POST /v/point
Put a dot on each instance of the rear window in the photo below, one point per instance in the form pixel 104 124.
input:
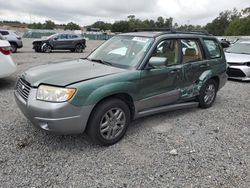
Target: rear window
pixel 213 48
pixel 4 32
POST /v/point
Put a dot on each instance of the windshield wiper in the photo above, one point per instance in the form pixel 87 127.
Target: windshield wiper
pixel 100 61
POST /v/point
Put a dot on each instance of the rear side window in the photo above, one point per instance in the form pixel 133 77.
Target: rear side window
pixel 4 32
pixel 191 50
pixel 213 48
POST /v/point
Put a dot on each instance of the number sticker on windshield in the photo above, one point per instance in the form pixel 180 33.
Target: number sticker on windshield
pixel 140 39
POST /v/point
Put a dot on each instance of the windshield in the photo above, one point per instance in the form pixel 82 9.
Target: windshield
pixel 52 36
pixel 122 51
pixel 239 48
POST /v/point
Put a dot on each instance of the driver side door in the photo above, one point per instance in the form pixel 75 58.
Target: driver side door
pixel 160 85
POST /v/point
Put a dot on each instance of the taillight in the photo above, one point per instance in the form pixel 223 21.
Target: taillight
pixel 5 50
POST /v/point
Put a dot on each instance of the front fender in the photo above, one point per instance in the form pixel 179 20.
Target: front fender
pixel 111 89
pixel 104 91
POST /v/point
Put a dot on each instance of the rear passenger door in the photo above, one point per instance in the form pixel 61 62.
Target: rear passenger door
pixel 194 64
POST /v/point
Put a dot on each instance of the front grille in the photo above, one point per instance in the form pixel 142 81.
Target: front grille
pixel 235 72
pixel 23 88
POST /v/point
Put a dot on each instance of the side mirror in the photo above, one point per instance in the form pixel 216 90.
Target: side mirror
pixel 158 61
pixel 55 38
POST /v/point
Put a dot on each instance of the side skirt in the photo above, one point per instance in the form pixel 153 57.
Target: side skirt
pixel 166 108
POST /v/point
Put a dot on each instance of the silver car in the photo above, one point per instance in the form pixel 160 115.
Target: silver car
pixel 238 59
pixel 14 39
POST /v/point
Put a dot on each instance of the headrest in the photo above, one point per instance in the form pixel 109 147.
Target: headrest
pixel 190 52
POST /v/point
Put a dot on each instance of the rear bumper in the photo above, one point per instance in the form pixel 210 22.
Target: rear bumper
pixel 61 118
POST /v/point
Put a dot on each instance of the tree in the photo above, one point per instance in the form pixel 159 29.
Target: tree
pixel 101 25
pixel 72 26
pixel 240 25
pixel 49 25
pixel 120 26
pixel 219 25
pixel 160 22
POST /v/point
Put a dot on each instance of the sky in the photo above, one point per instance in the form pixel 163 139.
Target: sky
pixel 86 12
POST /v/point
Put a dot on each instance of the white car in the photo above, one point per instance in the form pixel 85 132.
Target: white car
pixel 7 66
pixel 238 60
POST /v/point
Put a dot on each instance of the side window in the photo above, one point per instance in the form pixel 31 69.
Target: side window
pixel 63 36
pixel 213 48
pixel 191 50
pixel 167 49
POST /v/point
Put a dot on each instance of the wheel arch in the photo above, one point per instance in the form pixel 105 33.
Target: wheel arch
pixel 125 97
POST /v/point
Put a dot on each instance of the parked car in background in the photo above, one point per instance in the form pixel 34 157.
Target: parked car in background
pixel 72 42
pixel 14 39
pixel 238 60
pixel 7 66
pixel 129 76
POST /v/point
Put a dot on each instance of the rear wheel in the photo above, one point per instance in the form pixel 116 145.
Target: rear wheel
pixel 78 48
pixel 208 94
pixel 108 122
pixel 13 47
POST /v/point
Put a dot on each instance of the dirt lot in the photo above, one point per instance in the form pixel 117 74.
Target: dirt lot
pixel 212 145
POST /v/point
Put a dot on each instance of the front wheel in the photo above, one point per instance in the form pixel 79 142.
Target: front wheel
pixel 13 47
pixel 207 94
pixel 108 122
pixel 47 48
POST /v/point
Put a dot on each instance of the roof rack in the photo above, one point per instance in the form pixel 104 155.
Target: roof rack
pixel 198 32
pixel 172 30
pixel 154 29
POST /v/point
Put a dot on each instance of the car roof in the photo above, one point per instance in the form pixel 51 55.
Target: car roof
pixel 169 33
pixel 7 30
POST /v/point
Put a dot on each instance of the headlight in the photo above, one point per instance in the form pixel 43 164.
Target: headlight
pixel 54 94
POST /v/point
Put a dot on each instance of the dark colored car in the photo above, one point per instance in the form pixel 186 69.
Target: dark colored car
pixel 129 76
pixel 72 42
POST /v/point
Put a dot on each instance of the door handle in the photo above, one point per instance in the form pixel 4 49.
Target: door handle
pixel 174 71
pixel 204 65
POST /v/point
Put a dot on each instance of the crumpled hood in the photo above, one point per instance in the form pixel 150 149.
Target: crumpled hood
pixel 40 40
pixel 237 58
pixel 66 73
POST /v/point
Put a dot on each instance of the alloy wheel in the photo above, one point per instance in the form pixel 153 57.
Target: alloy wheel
pixel 112 123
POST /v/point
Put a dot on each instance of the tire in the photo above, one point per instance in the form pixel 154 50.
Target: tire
pixel 208 94
pixel 47 48
pixel 13 47
pixel 79 48
pixel 108 116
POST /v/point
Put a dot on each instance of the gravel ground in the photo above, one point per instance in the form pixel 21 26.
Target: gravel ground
pixel 184 148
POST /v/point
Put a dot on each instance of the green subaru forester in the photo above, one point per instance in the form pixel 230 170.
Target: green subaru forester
pixel 127 77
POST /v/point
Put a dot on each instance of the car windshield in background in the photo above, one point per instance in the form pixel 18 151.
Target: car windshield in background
pixel 122 51
pixel 239 48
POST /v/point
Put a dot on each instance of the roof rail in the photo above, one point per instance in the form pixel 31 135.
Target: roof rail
pixel 154 29
pixel 198 32
pixel 172 30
